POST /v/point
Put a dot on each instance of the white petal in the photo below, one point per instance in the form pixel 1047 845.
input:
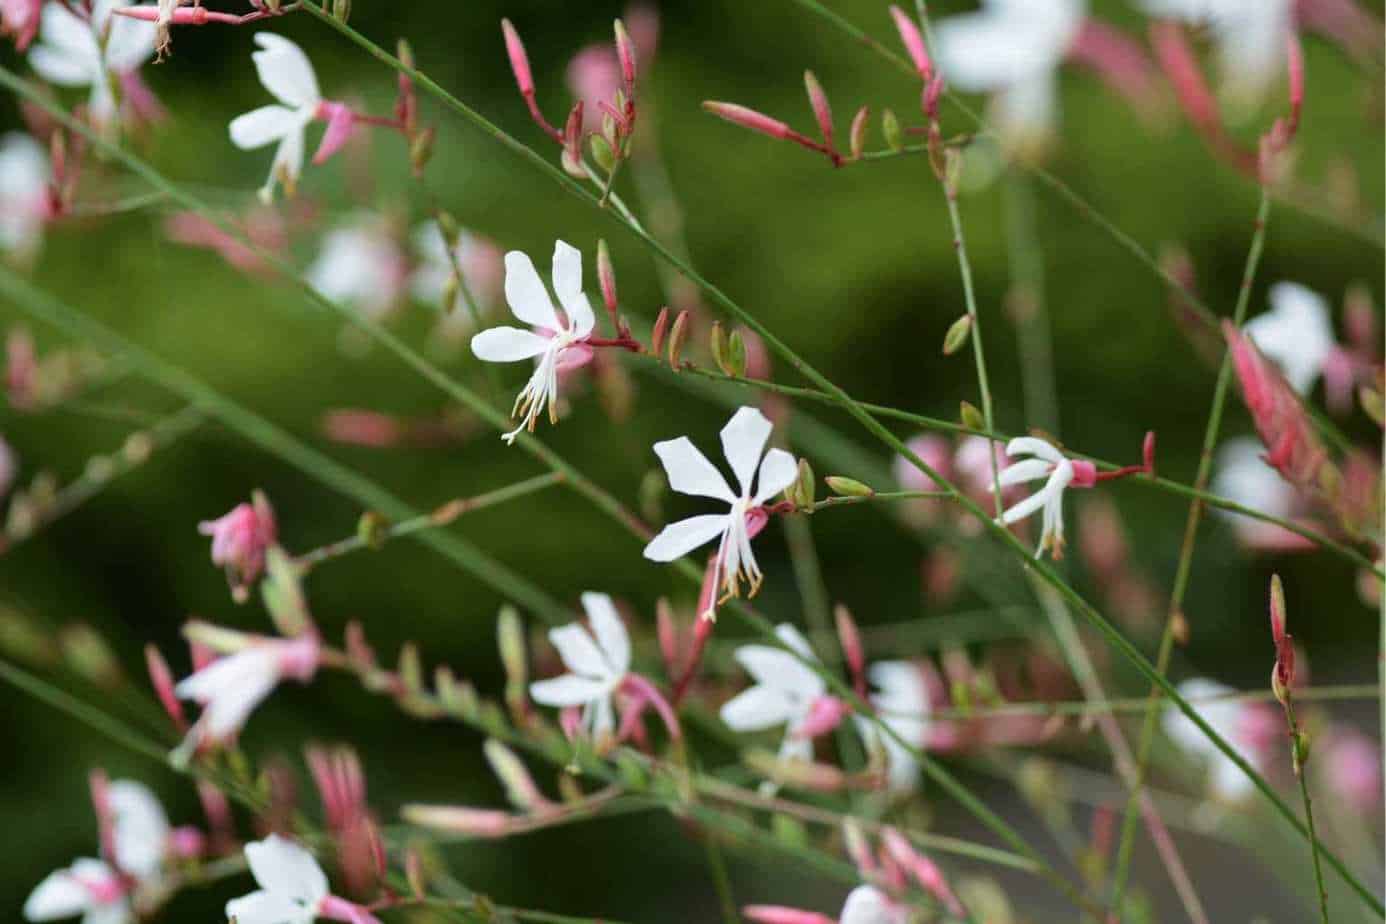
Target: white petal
pixel 567 690
pixel 579 651
pixel 59 895
pixel 141 828
pixel 60 67
pixel 1297 333
pixel 286 868
pixel 1033 446
pixel 866 905
pixel 525 292
pixel 230 688
pixel 777 471
pixel 795 640
pixel 285 71
pixel 262 126
pixel 567 283
pixel 1025 470
pixel 690 472
pixel 611 633
pixel 743 440
pixel 131 43
pixel 780 670
pixel 678 539
pixel 116 912
pixel 267 908
pixel 288 157
pixel 508 344
pixel 1026 507
pixel 756 708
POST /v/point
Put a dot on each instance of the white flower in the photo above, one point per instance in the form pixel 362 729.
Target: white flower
pixel 869 905
pixel 140 829
pixel 88 887
pixel 293 886
pixel 359 264
pixel 71 52
pixel 902 704
pixel 1011 48
pixel 1048 463
pixel 1250 34
pixel 287 74
pixel 552 343
pixel 689 471
pixel 597 662
pixel 1240 724
pixel 24 178
pixel 231 687
pixel 1296 334
pixel 1244 476
pixel 784 692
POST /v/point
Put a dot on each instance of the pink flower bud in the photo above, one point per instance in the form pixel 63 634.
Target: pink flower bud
pixel 100 788
pixel 1352 762
pixel 220 823
pixel 1119 61
pixel 340 123
pixel 339 909
pixel 239 542
pixel 825 714
pixel 778 914
pixel 924 870
pixel 1181 67
pixel 1277 611
pixel 461 819
pixel 625 51
pixel 853 652
pixel 1294 54
pixel 913 42
pixel 162 679
pixel 362 428
pixel 1084 473
pixel 1284 426
pixel 187 843
pixel 822 111
pixel 748 118
pixel 519 61
pixel 20 19
pixel 936 452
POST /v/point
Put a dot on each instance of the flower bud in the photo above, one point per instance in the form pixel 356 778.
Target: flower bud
pixel 88 655
pixel 282 592
pixel 736 355
pixel 661 325
pixel 957 335
pixel 677 335
pixel 341 10
pixel 796 774
pixel 890 129
pixel 602 152
pixel 373 529
pixel 606 278
pixel 1373 404
pixel 667 633
pixel 847 487
pixel 822 111
pixel 520 787
pixel 853 652
pixel 748 118
pixel 410 668
pixel 856 136
pixel 803 491
pixel 971 418
pixel 625 53
pixel 510 635
pixel 461 819
pixel 405 52
pixel 913 42
pixel 421 150
pixel 717 343
pixel 162 680
pixel 519 61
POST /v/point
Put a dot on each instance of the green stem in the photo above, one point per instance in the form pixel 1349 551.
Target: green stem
pixel 1175 614
pixel 1298 763
pixel 721 881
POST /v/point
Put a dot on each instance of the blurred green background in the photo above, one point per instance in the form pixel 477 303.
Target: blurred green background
pixel 853 268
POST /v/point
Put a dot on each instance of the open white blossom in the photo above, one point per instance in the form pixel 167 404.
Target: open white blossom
pixel 1246 726
pixel 869 905
pixel 554 344
pixel 90 888
pixel 24 178
pixel 1250 35
pixel 293 886
pixel 1296 334
pixel 287 74
pixel 1242 474
pixel 1012 48
pixel 597 662
pixel 902 704
pixel 1048 463
pixel 784 692
pixel 361 265
pixel 232 686
pixel 72 52
pixel 140 829
pixel 743 441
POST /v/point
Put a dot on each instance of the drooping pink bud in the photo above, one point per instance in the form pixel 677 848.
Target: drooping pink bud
pixel 924 870
pixel 779 914
pixel 519 61
pixel 1181 67
pixel 161 677
pixel 1148 453
pixel 340 123
pixel 645 692
pixel 913 42
pixel 748 118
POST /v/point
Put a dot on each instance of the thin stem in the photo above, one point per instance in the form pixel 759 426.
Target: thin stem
pixel 1028 305
pixel 721 881
pixel 442 515
pixel 1297 756
pixel 1175 614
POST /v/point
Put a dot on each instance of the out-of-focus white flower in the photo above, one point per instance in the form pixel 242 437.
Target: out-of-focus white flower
pixel 292 885
pixel 72 52
pixel 1248 727
pixel 90 888
pixel 1296 334
pixel 902 704
pixel 360 264
pixel 1250 34
pixel 556 345
pixel 287 74
pixel 1012 48
pixel 482 267
pixel 1060 472
pixel 140 829
pixel 597 663
pixel 869 905
pixel 1242 475
pixel 232 686
pixel 784 693
pixel 24 208
pixel 743 441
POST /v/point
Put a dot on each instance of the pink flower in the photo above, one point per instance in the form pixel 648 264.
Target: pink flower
pixel 936 451
pixel 239 541
pixel 1353 764
pixel 19 19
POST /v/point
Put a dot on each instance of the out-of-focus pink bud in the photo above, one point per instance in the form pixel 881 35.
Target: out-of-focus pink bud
pixel 1101 538
pixel 667 632
pixel 239 542
pixel 825 714
pixel 1353 764
pixel 594 76
pixel 779 914
pixel 99 785
pixel 856 136
pixel 1294 57
pixel 1148 452
pixel 853 652
pixel 822 111
pixel 140 102
pixel 162 679
pixel 519 61
pixel 357 427
pixel 1119 61
pixel 913 42
pixel 19 19
pixel 924 870
pixel 1181 67
pixel 940 571
pixel 460 819
pixel 936 451
pixel 928 100
pixel 1344 21
pixel 748 118
pixel 570 720
pixel 21 367
pixel 335 908
pixel 340 123
pixel 1277 611
pixel 1294 447
pixel 625 53
pixel 220 824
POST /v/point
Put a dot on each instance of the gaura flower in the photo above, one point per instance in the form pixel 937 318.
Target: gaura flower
pixel 597 663
pixel 482 267
pixel 140 830
pixel 229 688
pixel 360 264
pixel 1243 475
pixel 293 888
pixel 902 704
pixel 287 74
pixel 1249 727
pixel 239 541
pixel 743 441
pixel 24 195
pixel 1012 49
pixel 787 692
pixel 1296 334
pixel 1048 463
pixel 1250 34
pixel 101 53
pixel 865 905
pixel 555 344
pixel 91 888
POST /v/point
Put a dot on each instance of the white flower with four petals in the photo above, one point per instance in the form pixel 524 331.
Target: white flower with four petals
pixel 597 663
pixel 1059 472
pixel 90 888
pixel 1296 334
pixel 293 886
pixel 75 52
pixel 287 74
pixel 784 693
